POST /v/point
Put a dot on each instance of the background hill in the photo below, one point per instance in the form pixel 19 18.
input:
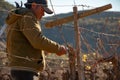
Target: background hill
pixel 104 27
pixel 4 8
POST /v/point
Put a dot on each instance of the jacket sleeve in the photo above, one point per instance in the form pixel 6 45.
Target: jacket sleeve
pixel 32 31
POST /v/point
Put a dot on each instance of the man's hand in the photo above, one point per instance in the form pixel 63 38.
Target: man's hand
pixel 62 50
pixel 71 51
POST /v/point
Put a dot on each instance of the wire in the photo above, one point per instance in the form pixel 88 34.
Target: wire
pixel 100 33
pixel 52 8
pixel 60 26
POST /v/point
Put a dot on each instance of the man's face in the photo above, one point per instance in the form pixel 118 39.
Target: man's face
pixel 38 10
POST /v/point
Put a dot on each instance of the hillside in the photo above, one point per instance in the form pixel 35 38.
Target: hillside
pixel 4 8
pixel 104 26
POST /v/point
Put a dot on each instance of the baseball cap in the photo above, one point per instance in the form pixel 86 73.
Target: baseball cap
pixel 41 2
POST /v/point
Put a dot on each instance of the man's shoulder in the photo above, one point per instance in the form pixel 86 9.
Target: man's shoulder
pixel 27 12
pixel 22 11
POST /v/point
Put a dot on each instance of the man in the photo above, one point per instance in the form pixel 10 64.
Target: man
pixel 25 42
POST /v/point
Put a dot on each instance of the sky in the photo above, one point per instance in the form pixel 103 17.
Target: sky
pixel 64 6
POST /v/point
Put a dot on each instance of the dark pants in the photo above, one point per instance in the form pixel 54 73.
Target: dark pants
pixel 23 75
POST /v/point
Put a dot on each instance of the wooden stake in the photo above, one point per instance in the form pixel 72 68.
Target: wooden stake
pixel 80 69
pixel 80 15
pixel 72 65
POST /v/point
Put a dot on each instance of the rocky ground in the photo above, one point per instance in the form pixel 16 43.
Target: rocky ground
pixel 95 67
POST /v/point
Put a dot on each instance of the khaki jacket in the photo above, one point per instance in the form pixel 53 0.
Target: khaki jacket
pixel 25 41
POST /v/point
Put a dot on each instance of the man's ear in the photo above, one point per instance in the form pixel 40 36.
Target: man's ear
pixel 33 5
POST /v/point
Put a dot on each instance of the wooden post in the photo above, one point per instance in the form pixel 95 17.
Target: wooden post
pixel 78 46
pixel 72 65
pixel 79 15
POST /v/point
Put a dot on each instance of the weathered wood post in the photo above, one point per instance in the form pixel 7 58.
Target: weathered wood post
pixel 79 15
pixel 80 69
pixel 72 65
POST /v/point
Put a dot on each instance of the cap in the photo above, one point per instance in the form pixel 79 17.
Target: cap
pixel 43 3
